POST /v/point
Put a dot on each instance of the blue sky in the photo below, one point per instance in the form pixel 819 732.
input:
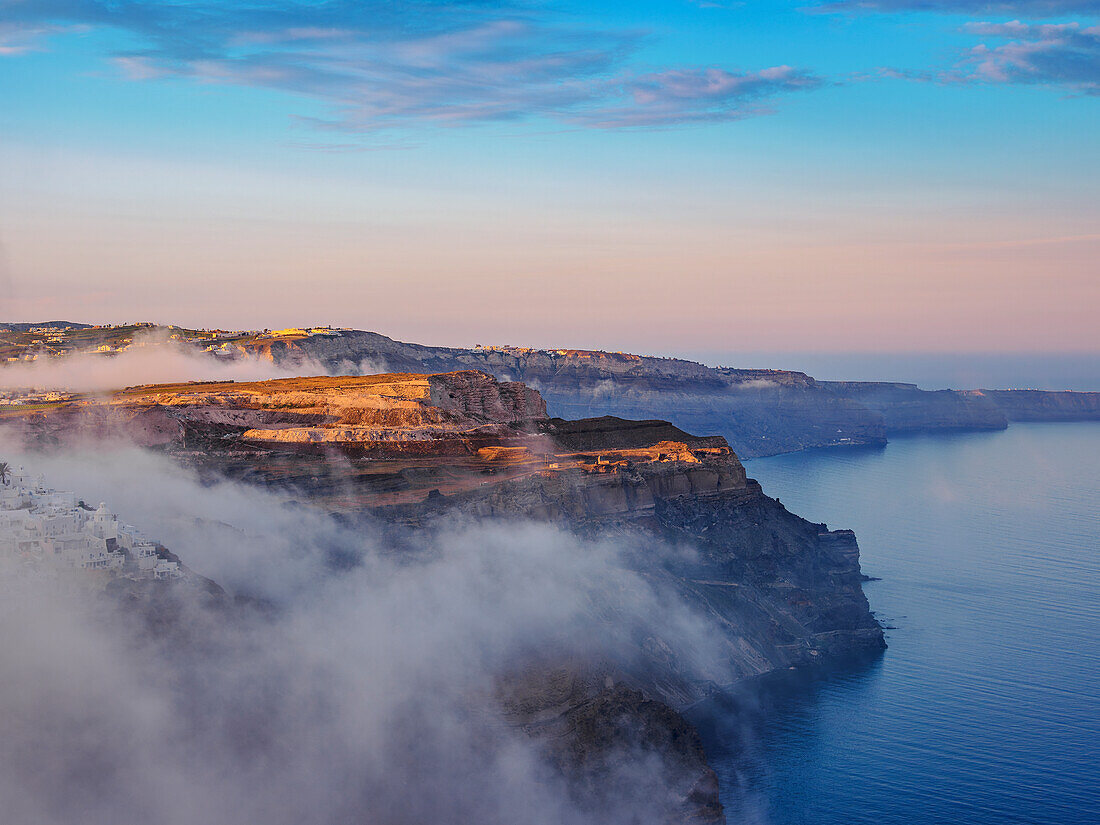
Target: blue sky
pixel 900 174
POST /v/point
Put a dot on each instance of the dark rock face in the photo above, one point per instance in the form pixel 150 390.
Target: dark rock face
pixel 187 611
pixel 790 591
pixel 591 738
pixel 776 590
pixel 595 731
pixel 779 591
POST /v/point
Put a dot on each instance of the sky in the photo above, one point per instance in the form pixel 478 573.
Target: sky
pixel 659 176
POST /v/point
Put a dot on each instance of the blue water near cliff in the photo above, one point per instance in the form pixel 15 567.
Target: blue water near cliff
pixel 986 707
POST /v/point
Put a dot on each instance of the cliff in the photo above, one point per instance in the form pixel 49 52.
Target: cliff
pixel 415 447
pixel 774 590
pixel 1041 405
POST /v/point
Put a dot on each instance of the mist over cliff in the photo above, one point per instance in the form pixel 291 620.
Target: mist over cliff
pixel 349 674
pixel 152 358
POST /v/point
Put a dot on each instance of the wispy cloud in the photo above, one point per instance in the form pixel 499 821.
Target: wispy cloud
pixel 718 4
pixel 1066 56
pixel 1027 8
pixel 384 65
pixel 699 95
pixel 20 38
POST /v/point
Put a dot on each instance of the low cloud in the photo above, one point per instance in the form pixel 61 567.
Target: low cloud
pixel 88 373
pixel 370 692
pixel 156 363
pixel 755 384
pixel 155 359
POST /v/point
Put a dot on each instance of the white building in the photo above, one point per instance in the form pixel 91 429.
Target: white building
pixel 103 523
pixel 41 527
pixel 166 570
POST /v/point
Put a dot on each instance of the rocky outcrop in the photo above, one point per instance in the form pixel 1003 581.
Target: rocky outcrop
pixel 428 445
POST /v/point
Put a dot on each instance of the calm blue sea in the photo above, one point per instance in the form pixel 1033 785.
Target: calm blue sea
pixel 986 707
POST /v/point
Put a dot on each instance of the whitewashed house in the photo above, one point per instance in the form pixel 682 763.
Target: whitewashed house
pixel 104 523
pixel 165 569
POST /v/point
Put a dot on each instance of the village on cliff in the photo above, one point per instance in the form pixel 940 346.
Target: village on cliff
pixel 45 531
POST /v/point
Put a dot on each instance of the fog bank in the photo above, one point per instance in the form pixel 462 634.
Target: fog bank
pixel 367 690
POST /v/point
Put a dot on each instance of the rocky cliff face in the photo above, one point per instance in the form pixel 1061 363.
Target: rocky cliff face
pixel 785 592
pixel 775 590
pixel 414 447
pixel 351 411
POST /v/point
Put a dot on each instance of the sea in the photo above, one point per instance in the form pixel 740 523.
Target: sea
pixel 985 550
